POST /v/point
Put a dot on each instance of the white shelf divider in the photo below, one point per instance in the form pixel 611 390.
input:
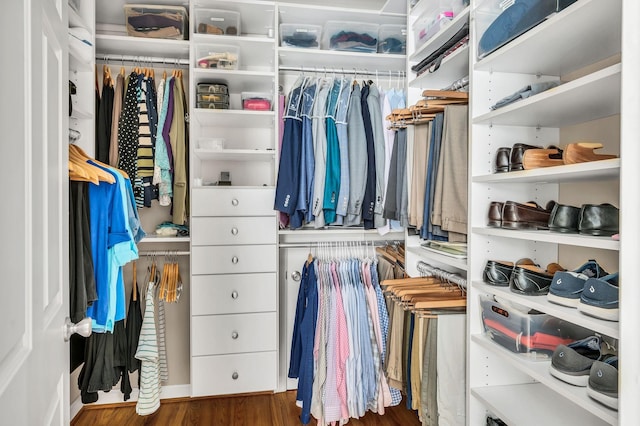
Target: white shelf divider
pixel 590 171
pixel 452 68
pixel 427 256
pixel 157 239
pixel 237 80
pixel 118 45
pixel 233 118
pixel 539 370
pixel 605 243
pixel 236 154
pixel 318 58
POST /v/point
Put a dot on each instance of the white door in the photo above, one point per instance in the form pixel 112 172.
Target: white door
pixel 34 247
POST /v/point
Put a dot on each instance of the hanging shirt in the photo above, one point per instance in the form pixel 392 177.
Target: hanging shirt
pixel 369 200
pixel 162 155
pixel 304 210
pixel 115 119
pixel 358 163
pixel 320 152
pixel 128 130
pixel 343 141
pixel 147 353
pixel 179 147
pixel 373 103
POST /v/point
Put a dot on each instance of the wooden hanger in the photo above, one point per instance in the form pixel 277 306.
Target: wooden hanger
pixel 80 159
pixel 83 154
pixel 164 74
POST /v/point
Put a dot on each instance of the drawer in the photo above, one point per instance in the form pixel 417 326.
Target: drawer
pixel 229 374
pixel 206 231
pixel 233 294
pixel 228 334
pixel 232 202
pixel 233 259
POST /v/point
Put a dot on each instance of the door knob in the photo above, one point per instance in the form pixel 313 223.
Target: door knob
pixel 83 328
pixel 234 202
pixel 234 259
pixel 234 231
pixel 295 275
pixel 235 376
pixel 234 294
pixel 234 335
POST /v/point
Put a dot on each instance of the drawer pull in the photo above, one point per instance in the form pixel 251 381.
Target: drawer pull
pixel 234 259
pixel 235 202
pixel 295 275
pixel 234 231
pixel 234 335
pixel 234 294
pixel 235 375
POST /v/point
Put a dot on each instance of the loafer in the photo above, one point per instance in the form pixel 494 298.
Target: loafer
pixel 564 218
pixel 572 363
pixel 501 161
pixel 530 280
pixel 597 219
pixel 603 382
pixel 526 215
pixel 537 158
pixel 517 152
pixel 567 286
pixel 583 152
pixel 600 298
pixel 495 214
pixel 497 272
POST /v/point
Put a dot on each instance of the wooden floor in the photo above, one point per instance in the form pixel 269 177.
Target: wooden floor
pixel 254 410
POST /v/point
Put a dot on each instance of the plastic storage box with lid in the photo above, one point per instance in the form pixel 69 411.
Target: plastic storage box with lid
pixel 497 22
pixel 217 57
pixel 156 21
pixel 526 331
pixel 212 88
pixel 300 35
pixel 392 39
pixel 217 22
pixel 436 17
pixel 256 101
pixel 350 36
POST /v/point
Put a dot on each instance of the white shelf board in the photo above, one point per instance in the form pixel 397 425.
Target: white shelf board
pixel 117 45
pixel 533 405
pixel 233 118
pixel 542 304
pixel 318 14
pixel 590 171
pixel 441 36
pixel 520 408
pixel 426 255
pixel 594 96
pixel 237 80
pixel 395 6
pixel 317 58
pixel 256 53
pixel 605 243
pixel 452 68
pixel 582 34
pixel 232 187
pixel 156 239
pixel 236 154
pixel 76 113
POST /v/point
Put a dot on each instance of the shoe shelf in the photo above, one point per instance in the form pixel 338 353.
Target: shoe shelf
pixel 532 405
pixel 593 96
pixel 540 303
pixel 605 243
pixel 518 403
pixel 590 171
pixel 452 68
pixel 584 33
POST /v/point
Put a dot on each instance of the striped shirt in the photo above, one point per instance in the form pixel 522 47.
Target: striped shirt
pixel 147 353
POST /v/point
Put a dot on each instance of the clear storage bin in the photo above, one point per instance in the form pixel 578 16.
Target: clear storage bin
pixel 217 88
pixel 156 21
pixel 217 56
pixel 526 331
pixel 212 97
pixel 212 105
pixel 392 39
pixel 256 101
pixel 498 22
pixel 350 36
pixel 217 22
pixel 300 35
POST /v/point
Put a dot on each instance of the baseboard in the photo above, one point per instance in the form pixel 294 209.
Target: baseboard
pixel 115 397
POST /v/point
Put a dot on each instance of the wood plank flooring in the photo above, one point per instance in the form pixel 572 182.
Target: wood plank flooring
pixel 255 410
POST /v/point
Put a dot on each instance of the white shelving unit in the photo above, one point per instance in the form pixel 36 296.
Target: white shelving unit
pixel 563 48
pixel 113 46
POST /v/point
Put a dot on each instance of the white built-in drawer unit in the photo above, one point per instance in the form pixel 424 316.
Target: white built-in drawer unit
pixel 213 231
pixel 228 334
pixel 237 373
pixel 234 293
pixel 233 259
pixel 225 201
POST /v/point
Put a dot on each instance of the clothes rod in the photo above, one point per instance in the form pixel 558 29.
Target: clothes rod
pixel 142 60
pixel 339 244
pixel 354 71
pixel 164 253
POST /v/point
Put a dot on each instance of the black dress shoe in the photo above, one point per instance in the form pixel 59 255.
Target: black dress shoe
pixel 598 219
pixel 495 214
pixel 530 280
pixel 501 163
pixel 497 273
pixel 564 218
pixel 515 160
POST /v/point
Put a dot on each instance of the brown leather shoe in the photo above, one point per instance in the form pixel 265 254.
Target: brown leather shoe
pixel 495 214
pixel 582 152
pixel 517 151
pixel 501 160
pixel 526 215
pixel 537 158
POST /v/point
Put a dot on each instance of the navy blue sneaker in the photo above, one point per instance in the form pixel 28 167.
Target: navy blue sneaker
pixel 600 298
pixel 566 286
pixel 572 363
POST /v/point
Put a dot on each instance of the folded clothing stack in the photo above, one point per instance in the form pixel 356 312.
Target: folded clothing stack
pixel 156 21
